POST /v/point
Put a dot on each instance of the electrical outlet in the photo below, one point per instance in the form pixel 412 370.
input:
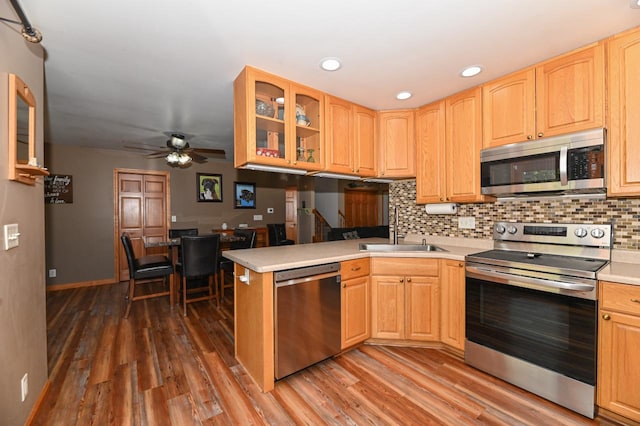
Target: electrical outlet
pixel 11 236
pixel 173 218
pixel 257 217
pixel 270 210
pixel 24 386
pixel 52 273
pixel 467 222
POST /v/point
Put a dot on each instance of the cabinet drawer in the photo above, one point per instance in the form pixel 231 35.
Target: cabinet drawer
pixel 354 268
pixel 404 266
pixel 620 297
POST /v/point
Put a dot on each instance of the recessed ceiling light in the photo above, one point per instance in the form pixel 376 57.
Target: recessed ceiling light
pixel 404 95
pixel 634 4
pixel 330 64
pixel 470 71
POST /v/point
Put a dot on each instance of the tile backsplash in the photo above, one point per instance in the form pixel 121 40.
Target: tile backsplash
pixel 623 213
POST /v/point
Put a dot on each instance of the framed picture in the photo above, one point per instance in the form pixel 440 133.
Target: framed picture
pixel 244 195
pixel 209 188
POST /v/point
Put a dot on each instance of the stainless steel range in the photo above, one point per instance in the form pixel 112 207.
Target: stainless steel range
pixel 531 309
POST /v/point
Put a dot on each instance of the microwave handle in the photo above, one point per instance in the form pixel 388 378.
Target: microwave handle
pixel 564 180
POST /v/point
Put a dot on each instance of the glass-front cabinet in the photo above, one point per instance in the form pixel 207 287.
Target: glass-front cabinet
pixel 277 122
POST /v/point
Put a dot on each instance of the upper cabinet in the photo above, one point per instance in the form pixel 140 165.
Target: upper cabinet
pixel 562 95
pixel 624 115
pixel 396 144
pixel 350 138
pixel 277 122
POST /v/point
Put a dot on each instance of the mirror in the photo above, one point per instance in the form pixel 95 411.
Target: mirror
pixel 22 133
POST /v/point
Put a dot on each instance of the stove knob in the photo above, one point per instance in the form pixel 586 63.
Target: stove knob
pixel 597 233
pixel 512 229
pixel 500 229
pixel 580 232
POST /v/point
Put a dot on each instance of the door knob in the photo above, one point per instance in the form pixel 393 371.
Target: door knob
pixel 529 137
pixel 606 317
pixel 409 279
pixel 540 134
pixel 401 280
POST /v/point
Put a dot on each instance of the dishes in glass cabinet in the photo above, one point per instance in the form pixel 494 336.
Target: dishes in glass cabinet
pixel 265 109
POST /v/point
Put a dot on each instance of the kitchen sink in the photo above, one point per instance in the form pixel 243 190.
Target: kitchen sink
pixel 399 247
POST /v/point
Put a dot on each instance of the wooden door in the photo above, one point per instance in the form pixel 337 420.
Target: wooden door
pixel 430 146
pixel 397 144
pixel 364 124
pixel 624 115
pixel 464 142
pixel 291 213
pixel 355 311
pixel 422 308
pixel 361 207
pixel 570 92
pixel 387 306
pixel 452 283
pixel 508 108
pixel 338 135
pixel 142 211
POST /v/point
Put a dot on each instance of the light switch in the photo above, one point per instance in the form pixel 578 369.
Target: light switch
pixel 11 236
pixel 257 217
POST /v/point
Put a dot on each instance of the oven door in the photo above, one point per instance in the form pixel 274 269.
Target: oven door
pixel 547 329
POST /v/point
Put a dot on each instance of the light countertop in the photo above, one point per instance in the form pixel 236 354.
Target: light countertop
pixel 624 268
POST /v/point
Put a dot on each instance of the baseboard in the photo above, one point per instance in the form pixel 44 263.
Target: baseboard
pixel 615 418
pixel 57 287
pixel 36 406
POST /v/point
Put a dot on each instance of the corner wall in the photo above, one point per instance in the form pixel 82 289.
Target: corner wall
pixel 23 334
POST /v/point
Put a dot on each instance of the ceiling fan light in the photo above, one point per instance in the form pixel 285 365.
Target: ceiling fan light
pixel 184 159
pixel 172 158
pixel 177 141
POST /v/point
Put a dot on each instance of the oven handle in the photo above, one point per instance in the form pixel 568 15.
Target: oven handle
pixel 522 281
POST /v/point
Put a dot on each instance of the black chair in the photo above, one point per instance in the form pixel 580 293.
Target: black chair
pixel 278 235
pixel 248 241
pixel 146 269
pixel 199 262
pixel 178 233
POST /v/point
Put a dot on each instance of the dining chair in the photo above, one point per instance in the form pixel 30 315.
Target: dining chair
pixel 178 233
pixel 278 235
pixel 247 239
pixel 200 256
pixel 146 269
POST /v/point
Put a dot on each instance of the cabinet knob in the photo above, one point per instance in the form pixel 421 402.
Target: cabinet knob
pixel 635 300
pixel 344 286
pixel 606 317
pixel 460 265
pixel 441 199
pixel 356 268
pixel 529 137
pixel 409 279
pixel 540 134
pixel 401 280
pixel 295 162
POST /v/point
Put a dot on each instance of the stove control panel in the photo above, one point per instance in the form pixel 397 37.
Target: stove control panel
pixel 595 235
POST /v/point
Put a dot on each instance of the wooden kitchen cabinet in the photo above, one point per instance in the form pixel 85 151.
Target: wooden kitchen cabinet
pixel 355 302
pixel 623 115
pixel 396 144
pixel 430 146
pixel 463 136
pixel 350 141
pixel 405 299
pixel 266 129
pixel 562 95
pixel 452 291
pixel 618 348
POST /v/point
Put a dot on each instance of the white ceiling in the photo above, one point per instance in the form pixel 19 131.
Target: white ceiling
pixel 123 72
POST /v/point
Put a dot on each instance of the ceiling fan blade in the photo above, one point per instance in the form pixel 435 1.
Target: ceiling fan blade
pixel 157 154
pixel 140 148
pixel 197 157
pixel 206 151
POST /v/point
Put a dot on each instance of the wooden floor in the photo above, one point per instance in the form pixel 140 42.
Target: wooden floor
pixel 158 368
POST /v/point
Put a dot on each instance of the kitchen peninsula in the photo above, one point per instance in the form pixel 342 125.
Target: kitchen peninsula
pixel 254 283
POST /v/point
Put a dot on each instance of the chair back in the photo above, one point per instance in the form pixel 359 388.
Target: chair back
pixel 200 255
pixel 277 234
pixel 248 239
pixel 177 233
pixel 128 250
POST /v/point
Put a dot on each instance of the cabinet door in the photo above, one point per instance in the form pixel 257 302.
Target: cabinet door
pixel 508 108
pixel 339 134
pixel 364 123
pixel 387 307
pixel 452 282
pixel 355 311
pixel 619 369
pixel 464 142
pixel 430 146
pixel 570 92
pixel 422 306
pixel 307 118
pixel 397 146
pixel 624 115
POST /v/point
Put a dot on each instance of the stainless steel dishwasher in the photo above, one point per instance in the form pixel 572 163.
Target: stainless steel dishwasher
pixel 307 316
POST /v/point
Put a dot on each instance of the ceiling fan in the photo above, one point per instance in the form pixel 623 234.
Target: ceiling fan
pixel 179 153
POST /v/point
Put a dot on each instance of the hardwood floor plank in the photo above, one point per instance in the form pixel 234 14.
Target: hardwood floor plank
pixel 295 405
pixel 147 360
pixel 124 398
pixel 154 407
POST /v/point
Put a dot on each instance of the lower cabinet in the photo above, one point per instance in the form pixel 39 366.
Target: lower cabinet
pixel 355 302
pixel 452 283
pixel 618 349
pixel 405 299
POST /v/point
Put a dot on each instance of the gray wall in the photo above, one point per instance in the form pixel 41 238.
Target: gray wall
pixel 23 338
pixel 79 236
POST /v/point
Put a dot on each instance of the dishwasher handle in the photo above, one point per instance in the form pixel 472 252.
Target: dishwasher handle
pixel 308 279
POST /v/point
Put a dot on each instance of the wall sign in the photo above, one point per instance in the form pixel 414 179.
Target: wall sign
pixel 58 189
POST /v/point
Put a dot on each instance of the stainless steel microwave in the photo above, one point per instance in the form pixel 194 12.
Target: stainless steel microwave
pixel 569 164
